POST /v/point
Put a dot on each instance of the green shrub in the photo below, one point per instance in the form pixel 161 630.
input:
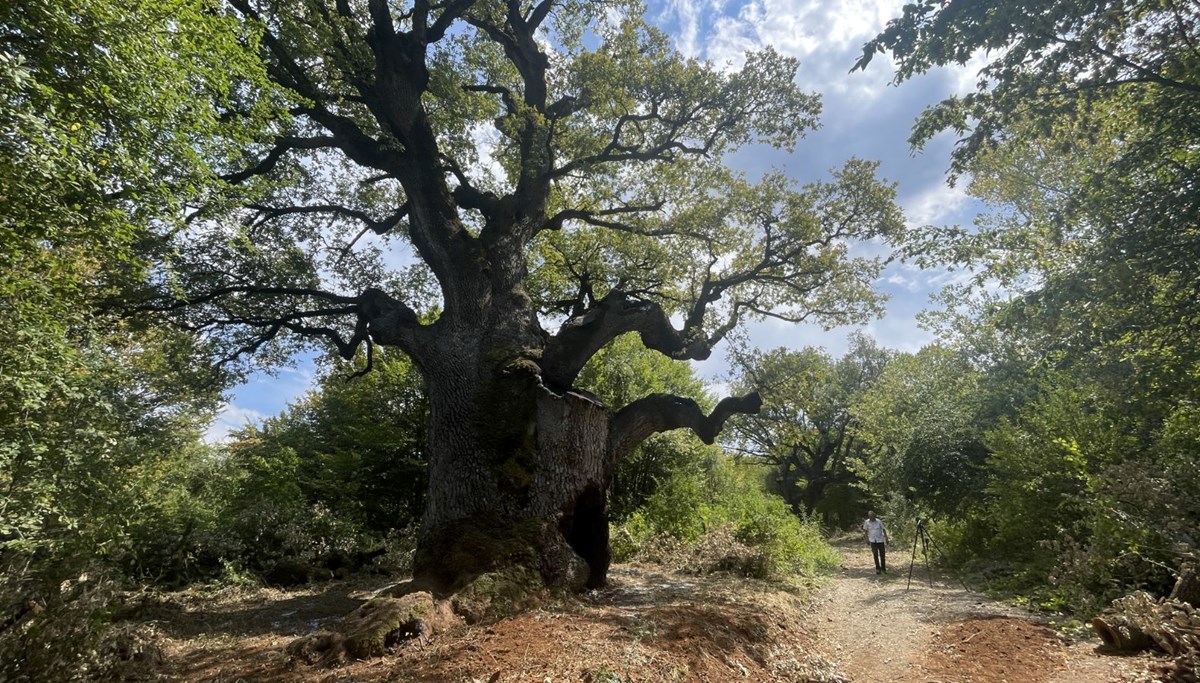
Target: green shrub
pixel 718 515
pixel 789 545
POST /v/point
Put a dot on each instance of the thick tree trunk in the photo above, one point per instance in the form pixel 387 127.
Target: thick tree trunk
pixel 518 477
pixel 519 464
pixel 571 476
pixel 813 493
pixel 791 492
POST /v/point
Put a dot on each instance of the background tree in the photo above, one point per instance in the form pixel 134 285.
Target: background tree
pixel 98 123
pixel 374 479
pixel 922 418
pixel 807 429
pixel 598 208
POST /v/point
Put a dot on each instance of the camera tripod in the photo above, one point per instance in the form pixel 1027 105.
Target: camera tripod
pixel 922 536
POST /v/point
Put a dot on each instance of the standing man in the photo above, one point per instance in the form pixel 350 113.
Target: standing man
pixel 877 536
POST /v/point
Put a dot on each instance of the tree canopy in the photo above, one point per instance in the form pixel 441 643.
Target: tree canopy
pixel 1081 136
pixel 493 140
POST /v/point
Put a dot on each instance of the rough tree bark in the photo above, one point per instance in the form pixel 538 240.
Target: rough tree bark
pixel 519 477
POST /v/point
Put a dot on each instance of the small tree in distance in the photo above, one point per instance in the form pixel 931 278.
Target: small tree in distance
pixel 556 170
pixel 807 430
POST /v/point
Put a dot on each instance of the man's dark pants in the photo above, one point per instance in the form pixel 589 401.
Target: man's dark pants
pixel 879 553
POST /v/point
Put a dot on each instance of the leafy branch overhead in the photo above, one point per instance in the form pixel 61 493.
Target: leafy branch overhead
pixel 1043 60
pixel 1081 135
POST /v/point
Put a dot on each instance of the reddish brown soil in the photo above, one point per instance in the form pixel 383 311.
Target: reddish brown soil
pixel 993 650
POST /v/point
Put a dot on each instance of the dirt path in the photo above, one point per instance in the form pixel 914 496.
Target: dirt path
pixel 876 628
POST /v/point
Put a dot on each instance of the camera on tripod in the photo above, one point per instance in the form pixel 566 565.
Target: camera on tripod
pixel 923 539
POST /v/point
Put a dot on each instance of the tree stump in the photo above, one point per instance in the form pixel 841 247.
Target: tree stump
pixel 1187 586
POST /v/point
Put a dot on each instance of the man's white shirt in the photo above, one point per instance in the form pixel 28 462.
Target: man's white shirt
pixel 874 529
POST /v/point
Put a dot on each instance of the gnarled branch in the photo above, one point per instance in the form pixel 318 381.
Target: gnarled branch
pixel 617 313
pixel 556 221
pixel 379 317
pixel 207 297
pixel 379 227
pixel 389 321
pixel 663 412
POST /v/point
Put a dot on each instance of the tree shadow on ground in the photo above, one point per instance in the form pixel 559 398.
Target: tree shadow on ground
pixel 259 613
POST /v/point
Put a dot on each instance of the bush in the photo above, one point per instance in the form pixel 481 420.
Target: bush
pixel 1087 501
pixel 789 545
pixel 716 515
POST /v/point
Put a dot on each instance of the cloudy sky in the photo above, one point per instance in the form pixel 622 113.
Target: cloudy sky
pixel 863 116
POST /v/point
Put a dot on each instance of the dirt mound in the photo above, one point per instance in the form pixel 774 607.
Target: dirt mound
pixel 991 650
pixel 677 643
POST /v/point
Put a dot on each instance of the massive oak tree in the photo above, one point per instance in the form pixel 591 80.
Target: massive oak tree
pixel 551 174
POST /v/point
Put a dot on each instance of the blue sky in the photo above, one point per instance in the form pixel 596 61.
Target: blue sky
pixel 863 115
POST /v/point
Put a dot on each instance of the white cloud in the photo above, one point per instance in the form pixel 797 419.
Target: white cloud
pixel 398 255
pixel 826 35
pixel 688 14
pixel 728 43
pixel 798 28
pixel 936 204
pixel 864 115
pixel 937 279
pixel 901 281
pixel 230 418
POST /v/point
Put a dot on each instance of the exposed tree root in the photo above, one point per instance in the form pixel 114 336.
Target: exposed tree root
pixel 378 625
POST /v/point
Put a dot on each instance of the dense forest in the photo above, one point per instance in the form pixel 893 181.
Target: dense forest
pixel 514 404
